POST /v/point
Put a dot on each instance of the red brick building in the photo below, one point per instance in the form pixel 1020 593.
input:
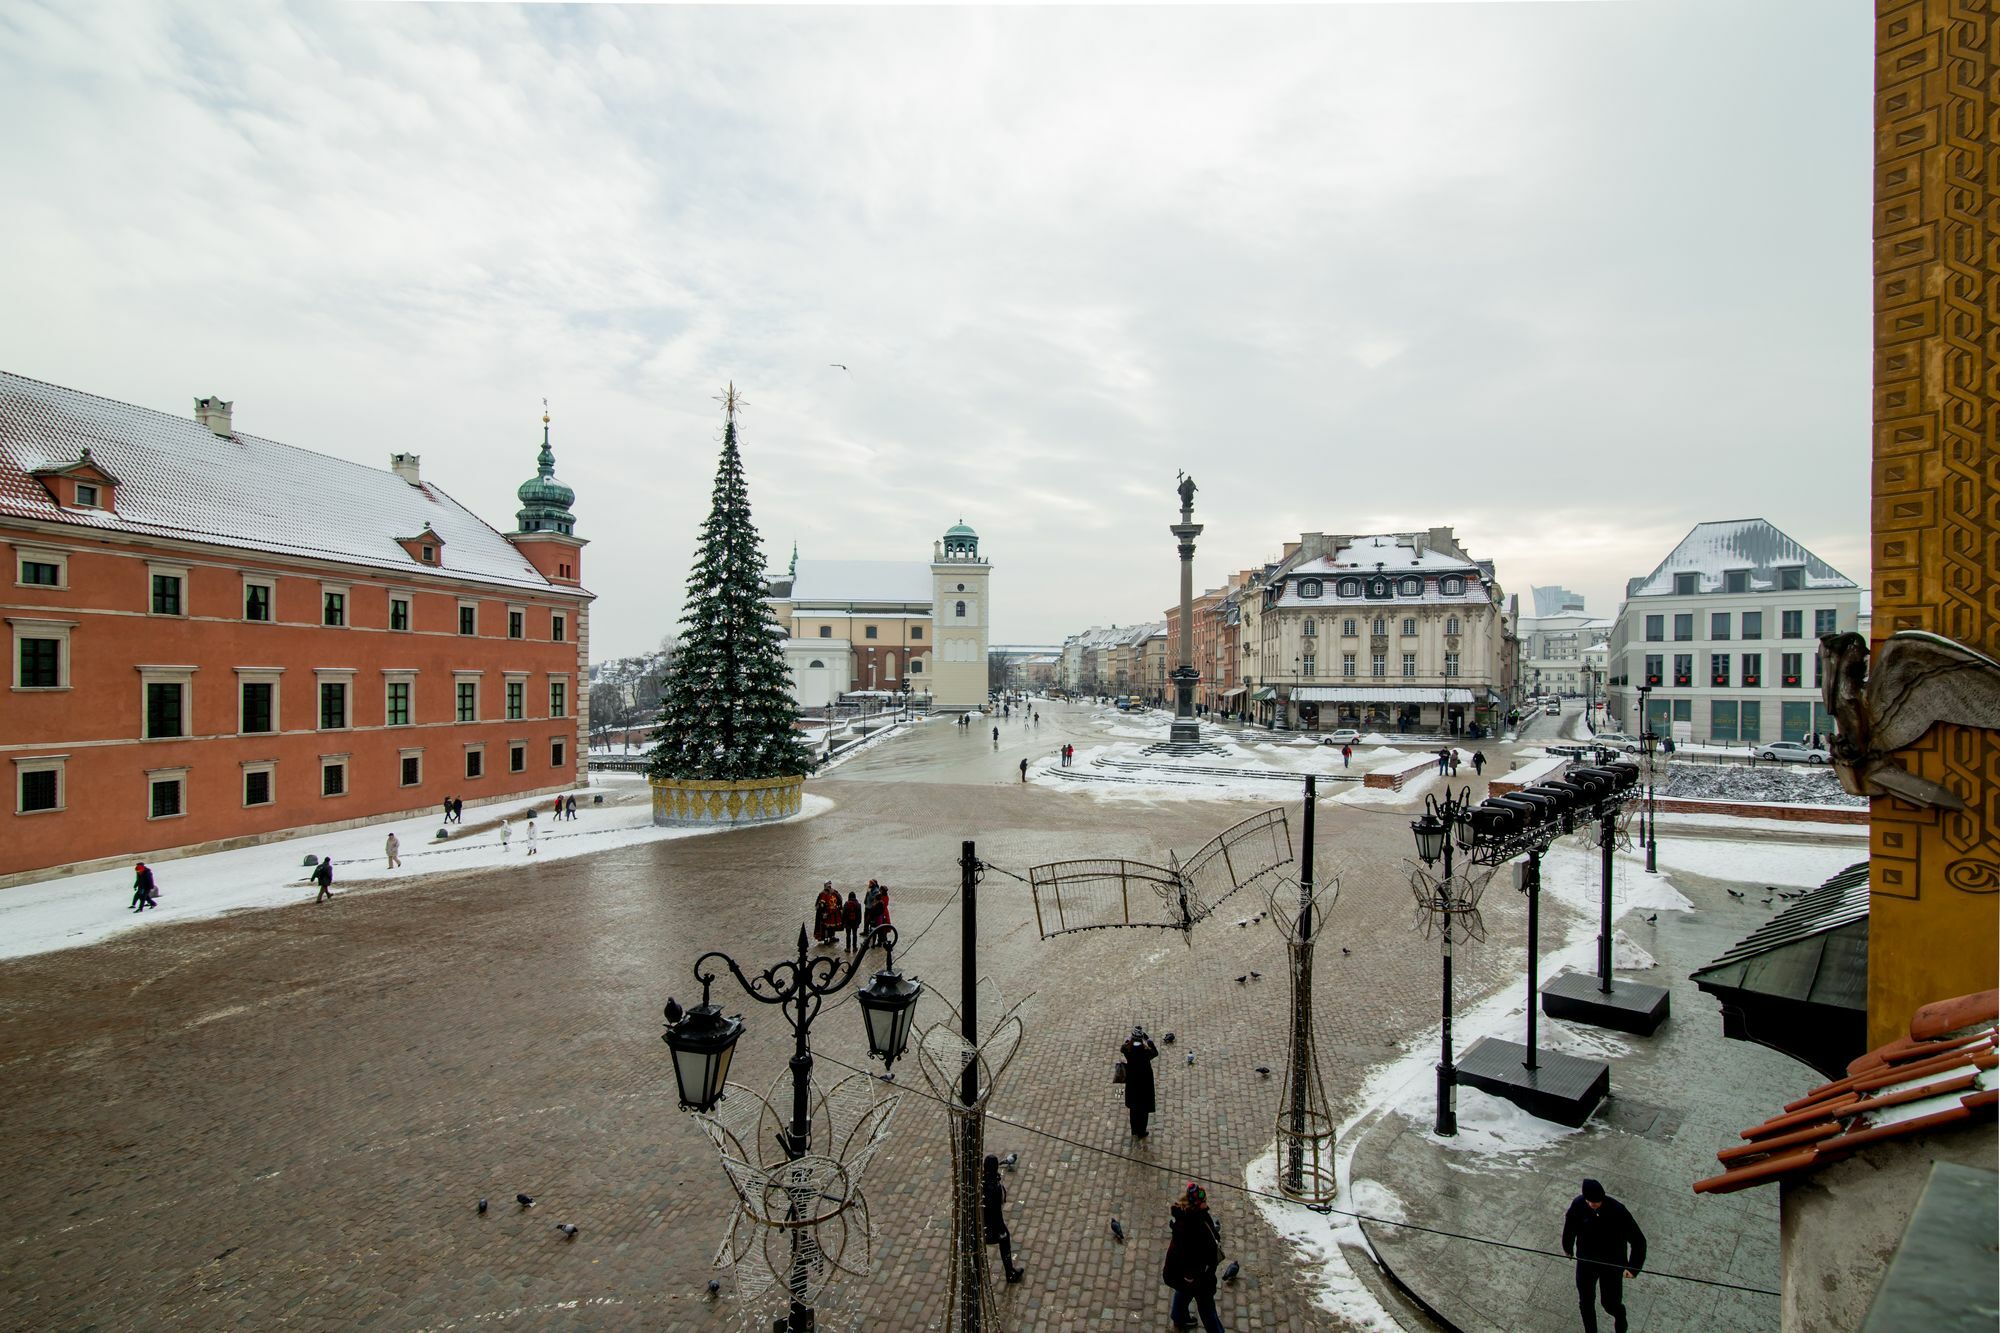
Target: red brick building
pixel 215 637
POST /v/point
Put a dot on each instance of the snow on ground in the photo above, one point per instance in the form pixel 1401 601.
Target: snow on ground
pixel 1767 784
pixel 1856 834
pixel 1787 865
pixel 74 910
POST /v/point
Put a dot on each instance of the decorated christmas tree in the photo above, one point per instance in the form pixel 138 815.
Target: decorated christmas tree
pixel 727 713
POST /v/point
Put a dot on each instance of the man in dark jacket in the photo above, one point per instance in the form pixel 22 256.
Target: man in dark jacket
pixel 1139 1052
pixel 1608 1246
pixel 322 875
pixel 1192 1255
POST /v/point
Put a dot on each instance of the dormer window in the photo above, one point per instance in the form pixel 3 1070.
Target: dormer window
pixel 1378 587
pixel 83 484
pixel 430 554
pixel 1350 587
pixel 425 547
pixel 86 496
pixel 1412 588
pixel 1309 588
pixel 1451 587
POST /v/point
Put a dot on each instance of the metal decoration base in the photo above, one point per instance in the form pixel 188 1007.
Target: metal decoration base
pixel 1630 1006
pixel 1305 1118
pixel 1561 1087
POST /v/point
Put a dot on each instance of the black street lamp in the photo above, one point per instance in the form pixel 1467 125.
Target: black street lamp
pixel 1435 833
pixel 702 1041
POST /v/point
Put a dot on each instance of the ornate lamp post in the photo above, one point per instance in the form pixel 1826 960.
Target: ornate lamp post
pixel 1649 741
pixel 703 1040
pixel 1449 905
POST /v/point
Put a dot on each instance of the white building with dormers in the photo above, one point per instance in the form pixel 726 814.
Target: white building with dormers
pixel 1387 632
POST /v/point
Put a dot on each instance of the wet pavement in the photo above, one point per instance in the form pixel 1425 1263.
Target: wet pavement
pixel 284 1117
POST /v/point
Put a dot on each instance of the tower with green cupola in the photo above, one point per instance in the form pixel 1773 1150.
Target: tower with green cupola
pixel 960 619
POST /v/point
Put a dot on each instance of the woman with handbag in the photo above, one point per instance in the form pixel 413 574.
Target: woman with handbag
pixel 995 1199
pixel 1139 1053
pixel 1192 1256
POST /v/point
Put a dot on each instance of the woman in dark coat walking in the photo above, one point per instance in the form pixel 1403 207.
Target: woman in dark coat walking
pixel 144 893
pixel 1192 1256
pixel 1139 1053
pixel 996 1220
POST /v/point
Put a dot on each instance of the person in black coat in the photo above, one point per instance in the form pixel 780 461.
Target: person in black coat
pixel 1139 1053
pixel 322 875
pixel 1608 1246
pixel 995 1196
pixel 144 893
pixel 1192 1257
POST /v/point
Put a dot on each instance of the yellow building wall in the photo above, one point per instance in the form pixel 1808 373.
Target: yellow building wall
pixel 1934 915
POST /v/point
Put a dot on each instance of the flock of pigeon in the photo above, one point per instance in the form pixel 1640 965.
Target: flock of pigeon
pixel 567 1229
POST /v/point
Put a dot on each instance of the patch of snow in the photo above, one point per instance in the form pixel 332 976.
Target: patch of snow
pixel 1787 865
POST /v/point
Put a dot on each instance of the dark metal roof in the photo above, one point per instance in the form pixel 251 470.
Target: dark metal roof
pixel 1815 951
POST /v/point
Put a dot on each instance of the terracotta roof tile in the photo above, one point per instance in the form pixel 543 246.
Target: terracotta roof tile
pixel 1942 1074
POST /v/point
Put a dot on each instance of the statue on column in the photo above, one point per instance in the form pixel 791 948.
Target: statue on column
pixel 1187 489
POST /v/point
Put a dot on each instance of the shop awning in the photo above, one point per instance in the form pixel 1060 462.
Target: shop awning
pixel 1265 694
pixel 1379 694
pixel 1231 694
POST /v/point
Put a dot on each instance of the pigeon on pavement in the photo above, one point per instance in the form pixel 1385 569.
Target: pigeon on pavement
pixel 524 1201
pixel 482 1207
pixel 1010 1160
pixel 568 1231
pixel 1229 1273
pixel 1168 1039
pixel 1265 1070
pixel 1117 1231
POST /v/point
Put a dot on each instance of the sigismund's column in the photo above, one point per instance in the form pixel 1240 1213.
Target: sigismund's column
pixel 1185 728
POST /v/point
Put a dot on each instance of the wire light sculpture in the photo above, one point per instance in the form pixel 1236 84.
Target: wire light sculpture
pixel 1305 1117
pixel 800 1221
pixel 944 1055
pixel 1448 905
pixel 1104 892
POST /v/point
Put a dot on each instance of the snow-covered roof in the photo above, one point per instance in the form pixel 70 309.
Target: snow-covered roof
pixel 843 581
pixel 179 479
pixel 1394 551
pixel 1711 549
pixel 1473 594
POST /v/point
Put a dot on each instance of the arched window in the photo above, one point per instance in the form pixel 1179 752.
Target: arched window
pixel 1451 625
pixel 961 610
pixel 888 666
pixel 1413 587
pixel 1452 587
pixel 1350 587
pixel 1310 588
pixel 815 665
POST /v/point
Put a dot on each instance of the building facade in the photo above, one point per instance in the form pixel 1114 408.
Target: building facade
pixel 1724 637
pixel 217 638
pixel 1553 651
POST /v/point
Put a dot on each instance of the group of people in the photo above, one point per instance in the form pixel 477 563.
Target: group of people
pixel 1448 761
pixel 565 807
pixel 454 810
pixel 1068 752
pixel 832 917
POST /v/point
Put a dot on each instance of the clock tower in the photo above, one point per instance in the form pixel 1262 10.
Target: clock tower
pixel 960 614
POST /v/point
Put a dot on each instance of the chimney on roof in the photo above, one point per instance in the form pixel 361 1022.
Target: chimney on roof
pixel 1418 542
pixel 214 413
pixel 405 466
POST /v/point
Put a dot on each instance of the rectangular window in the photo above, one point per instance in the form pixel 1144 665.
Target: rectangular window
pixel 86 495
pixel 475 763
pixel 1722 719
pixel 559 696
pixel 333 608
pixel 1819 671
pixel 1409 625
pixel 1794 624
pixel 559 627
pixel 396 712
pixel 1788 667
pixel 468 619
pixel 45 573
pixel 41 789
pixel 1409 664
pixel 413 770
pixel 1686 584
pixel 868 632
pixel 41 664
pixel 1750 724
pixel 332 705
pixel 1378 664
pixel 1654 663
pixel 1718 625
pixel 1683 626
pixel 1683 669
pixel 517 758
pixel 1753 669
pixel 1791 580
pixel 166 798
pixel 1347 629
pixel 256 601
pixel 1656 628
pixel 916 632
pixel 1736 580
pixel 468 701
pixel 1347 661
pixel 333 779
pixel 517 624
pixel 1718 668
pixel 826 631
pixel 1753 624
pixel 163 709
pixel 1823 624
pixel 257 786
pixel 517 707
pixel 1451 664
pixel 257 709
pixel 166 594
pixel 399 613
pixel 557 752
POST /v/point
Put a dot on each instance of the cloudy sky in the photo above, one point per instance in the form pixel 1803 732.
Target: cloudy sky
pixel 1570 277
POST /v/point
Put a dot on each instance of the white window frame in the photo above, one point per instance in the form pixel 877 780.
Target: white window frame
pixel 1451 587
pixel 341 762
pixel 459 678
pixel 43 555
pixel 399 676
pixel 32 627
pixel 272 676
pixel 96 500
pixel 409 601
pixel 514 678
pixel 522 612
pixel 45 763
pixel 269 583
pixel 157 570
pixel 560 681
pixel 345 593
pixel 269 768
pixel 520 748
pixel 333 676
pixel 182 676
pixel 404 756
pixel 478 748
pixel 564 761
pixel 155 776
pixel 1409 666
pixel 558 627
pixel 467 604
pixel 1409 627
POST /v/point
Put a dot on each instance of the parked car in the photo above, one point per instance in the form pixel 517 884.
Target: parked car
pixel 1345 736
pixel 1791 752
pixel 1615 740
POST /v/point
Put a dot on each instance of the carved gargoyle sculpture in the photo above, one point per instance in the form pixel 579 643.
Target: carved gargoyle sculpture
pixel 1918 679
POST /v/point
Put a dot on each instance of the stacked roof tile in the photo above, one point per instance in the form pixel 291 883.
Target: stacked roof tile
pixel 1941 1075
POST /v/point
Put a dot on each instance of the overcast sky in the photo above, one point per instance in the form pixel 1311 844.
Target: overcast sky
pixel 1568 277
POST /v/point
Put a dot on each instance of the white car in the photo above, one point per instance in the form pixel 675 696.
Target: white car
pixel 1614 740
pixel 1345 736
pixel 1791 752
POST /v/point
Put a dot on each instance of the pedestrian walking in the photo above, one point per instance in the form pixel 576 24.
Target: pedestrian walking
pixel 447 809
pixel 570 811
pixel 850 918
pixel 1192 1256
pixel 1024 770
pixel 506 832
pixel 1139 1053
pixel 531 835
pixel 1479 761
pixel 322 875
pixel 996 738
pixel 1608 1247
pixel 458 809
pixel 1346 755
pixel 556 813
pixel 1453 752
pixel 394 847
pixel 995 1202
pixel 144 892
